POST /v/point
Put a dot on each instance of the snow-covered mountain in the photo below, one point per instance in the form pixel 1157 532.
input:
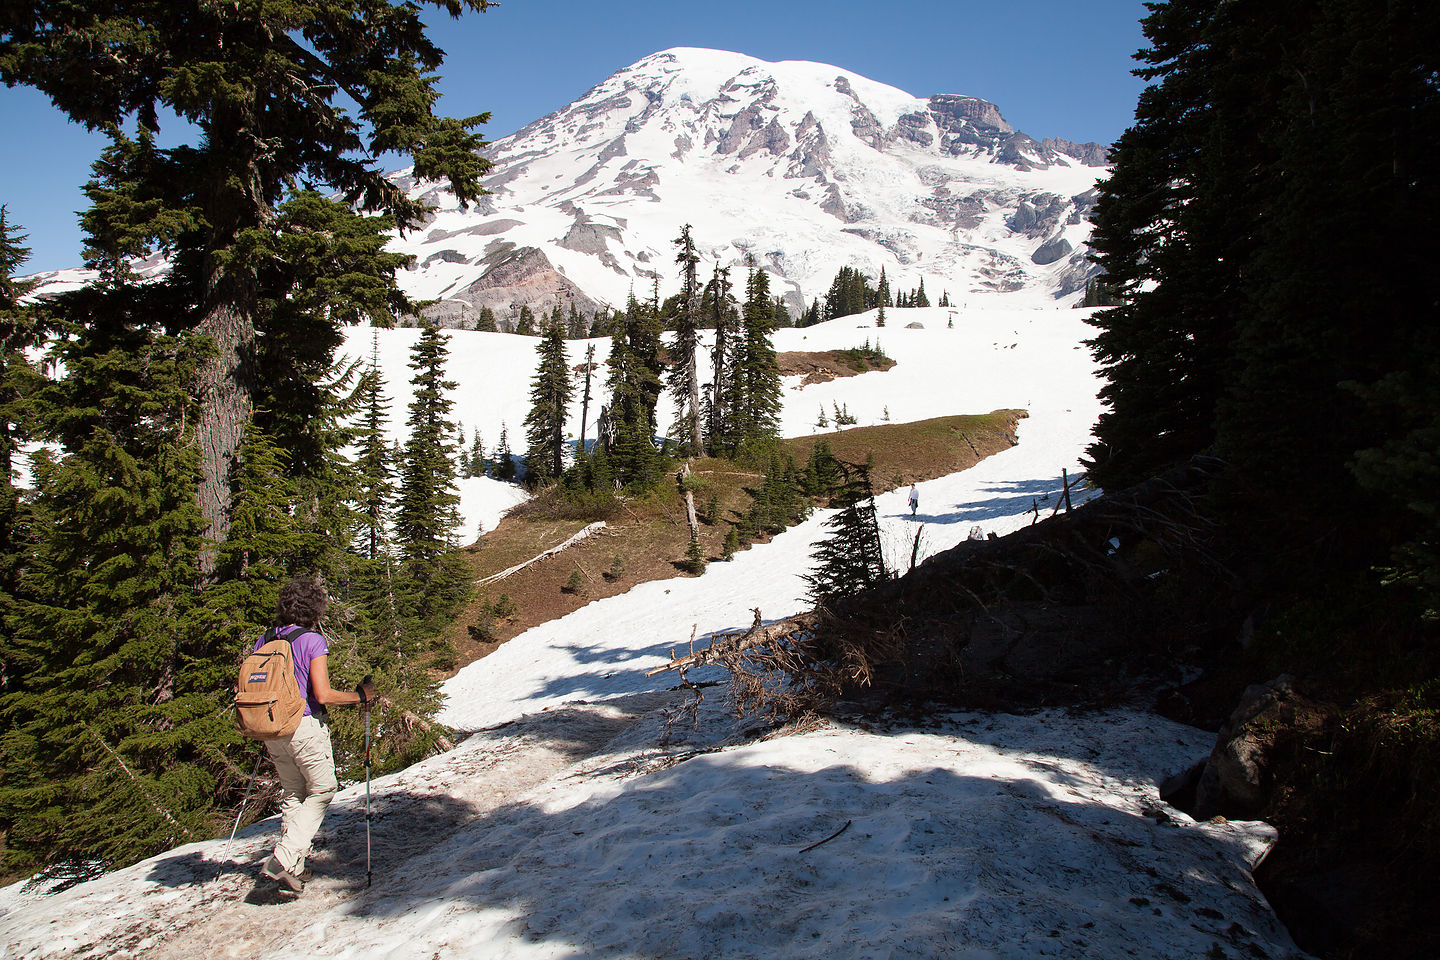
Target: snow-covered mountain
pixel 803 166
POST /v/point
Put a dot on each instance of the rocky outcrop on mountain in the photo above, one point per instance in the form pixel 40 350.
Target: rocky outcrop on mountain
pixel 1038 214
pixel 512 277
pixel 1051 250
pixel 1075 274
pixel 916 128
pixel 968 120
pixel 587 236
pixel 1090 154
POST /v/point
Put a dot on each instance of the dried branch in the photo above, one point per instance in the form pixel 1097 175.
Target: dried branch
pixel 827 839
pixel 593 528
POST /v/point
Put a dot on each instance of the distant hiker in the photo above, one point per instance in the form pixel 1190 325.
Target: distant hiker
pixel 914 499
pixel 304 760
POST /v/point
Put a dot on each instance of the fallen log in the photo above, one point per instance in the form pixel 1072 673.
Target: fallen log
pixel 593 528
pixel 737 642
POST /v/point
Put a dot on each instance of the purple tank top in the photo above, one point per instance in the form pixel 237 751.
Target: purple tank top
pixel 306 645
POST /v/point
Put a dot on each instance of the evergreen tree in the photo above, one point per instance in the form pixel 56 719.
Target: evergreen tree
pixel 1098 293
pixel 850 559
pixel 485 322
pixel 504 458
pixel 576 327
pixel 525 323
pixel 920 300
pixel 111 751
pixel 267 113
pixel 477 456
pixel 812 315
pixel 1248 323
pixel 585 397
pixel 427 515
pixel 1169 257
pixel 602 323
pixel 724 319
pixel 850 293
pixel 755 394
pixel 634 385
pixel 684 379
pixel 780 313
pixel 374 466
pixel 823 477
pixel 20 331
pixel 550 392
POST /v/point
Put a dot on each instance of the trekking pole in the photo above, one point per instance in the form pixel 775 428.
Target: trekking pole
pixel 365 705
pixel 225 854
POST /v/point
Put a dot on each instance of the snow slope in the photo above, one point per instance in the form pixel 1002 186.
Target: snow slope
pixel 587 816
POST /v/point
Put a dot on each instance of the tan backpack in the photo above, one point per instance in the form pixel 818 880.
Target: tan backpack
pixel 268 703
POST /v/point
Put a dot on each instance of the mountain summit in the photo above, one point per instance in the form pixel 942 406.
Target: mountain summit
pixel 802 166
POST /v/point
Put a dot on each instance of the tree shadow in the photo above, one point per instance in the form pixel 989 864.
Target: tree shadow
pixel 1012 498
pixel 625 671
pixel 709 857
pixel 994 835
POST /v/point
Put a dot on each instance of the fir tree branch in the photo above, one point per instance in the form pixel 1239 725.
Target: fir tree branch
pixel 139 784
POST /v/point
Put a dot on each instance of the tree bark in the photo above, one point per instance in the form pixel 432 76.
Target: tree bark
pixel 585 401
pixel 690 515
pixel 697 433
pixel 225 409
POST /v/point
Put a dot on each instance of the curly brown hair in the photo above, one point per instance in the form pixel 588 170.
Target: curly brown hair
pixel 302 602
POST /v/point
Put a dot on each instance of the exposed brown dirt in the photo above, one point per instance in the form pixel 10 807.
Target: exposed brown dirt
pixel 821 366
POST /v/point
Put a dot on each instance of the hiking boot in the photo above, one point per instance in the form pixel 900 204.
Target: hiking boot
pixel 285 878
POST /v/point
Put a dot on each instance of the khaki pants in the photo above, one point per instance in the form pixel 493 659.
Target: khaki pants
pixel 306 766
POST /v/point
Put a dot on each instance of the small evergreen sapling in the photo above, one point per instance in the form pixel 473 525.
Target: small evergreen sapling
pixel 850 559
pixel 694 561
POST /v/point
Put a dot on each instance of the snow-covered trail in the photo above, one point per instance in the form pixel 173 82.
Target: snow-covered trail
pixel 972 836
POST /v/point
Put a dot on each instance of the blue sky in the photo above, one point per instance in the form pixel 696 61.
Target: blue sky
pixel 1055 69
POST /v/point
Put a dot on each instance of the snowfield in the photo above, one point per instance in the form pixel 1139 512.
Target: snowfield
pixel 588 815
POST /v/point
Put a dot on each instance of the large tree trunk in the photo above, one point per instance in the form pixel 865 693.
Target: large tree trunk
pixel 225 408
pixel 697 433
pixel 585 402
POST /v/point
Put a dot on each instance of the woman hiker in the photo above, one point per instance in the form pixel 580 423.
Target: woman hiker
pixel 304 760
